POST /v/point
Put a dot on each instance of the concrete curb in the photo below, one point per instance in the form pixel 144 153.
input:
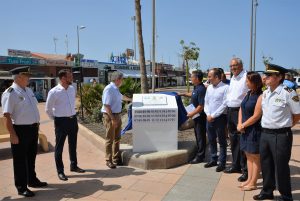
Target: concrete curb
pixel 153 160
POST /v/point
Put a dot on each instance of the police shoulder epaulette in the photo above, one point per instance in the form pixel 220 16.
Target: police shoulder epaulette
pixel 288 89
pixel 10 89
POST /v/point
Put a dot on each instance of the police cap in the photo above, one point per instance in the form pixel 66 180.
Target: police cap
pixel 272 68
pixel 22 70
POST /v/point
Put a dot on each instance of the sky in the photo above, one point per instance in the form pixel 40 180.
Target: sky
pixel 220 28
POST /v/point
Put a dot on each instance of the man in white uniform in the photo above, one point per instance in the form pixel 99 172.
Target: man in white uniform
pixel 19 107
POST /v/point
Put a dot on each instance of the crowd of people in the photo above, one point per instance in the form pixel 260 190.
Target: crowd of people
pixel 256 112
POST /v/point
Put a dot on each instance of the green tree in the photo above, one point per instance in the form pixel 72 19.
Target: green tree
pixel 189 53
pixel 267 60
pixel 144 81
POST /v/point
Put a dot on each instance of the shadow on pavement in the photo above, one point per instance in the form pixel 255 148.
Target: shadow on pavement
pixel 77 190
pixel 108 173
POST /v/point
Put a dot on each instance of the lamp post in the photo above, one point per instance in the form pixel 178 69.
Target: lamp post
pixel 153 46
pixel 254 5
pixel 78 64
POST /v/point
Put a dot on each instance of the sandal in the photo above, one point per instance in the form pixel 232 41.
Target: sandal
pixel 249 188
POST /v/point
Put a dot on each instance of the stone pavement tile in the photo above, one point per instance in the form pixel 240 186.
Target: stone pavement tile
pixel 6 181
pixel 53 194
pixel 122 194
pixel 170 178
pixel 177 170
pixel 198 182
pixel 186 193
pixel 85 198
pixel 93 187
pixel 151 197
pixel 124 182
pixel 152 176
pixel 199 170
pixel 7 172
pixel 153 187
pixel 227 189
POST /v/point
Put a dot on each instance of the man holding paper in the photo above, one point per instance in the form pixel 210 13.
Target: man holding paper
pixel 197 100
pixel 215 109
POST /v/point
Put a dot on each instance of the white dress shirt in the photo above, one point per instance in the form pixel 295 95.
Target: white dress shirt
pixel 112 97
pixel 21 105
pixel 215 100
pixel 237 90
pixel 278 107
pixel 61 102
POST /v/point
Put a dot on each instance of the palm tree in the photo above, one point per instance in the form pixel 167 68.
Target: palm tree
pixel 144 82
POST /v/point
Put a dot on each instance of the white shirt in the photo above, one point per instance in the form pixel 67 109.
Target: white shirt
pixel 215 100
pixel 61 102
pixel 21 105
pixel 278 107
pixel 112 97
pixel 237 90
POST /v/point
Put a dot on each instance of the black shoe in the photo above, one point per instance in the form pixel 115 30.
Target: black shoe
pixel 26 193
pixel 220 168
pixel 62 176
pixel 210 164
pixel 243 177
pixel 110 165
pixel 231 170
pixel 77 169
pixel 263 197
pixel 196 160
pixel 118 163
pixel 285 198
pixel 38 184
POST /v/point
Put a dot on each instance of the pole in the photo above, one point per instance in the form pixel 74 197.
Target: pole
pixel 251 36
pixel 133 18
pixel 78 64
pixel 153 46
pixel 254 34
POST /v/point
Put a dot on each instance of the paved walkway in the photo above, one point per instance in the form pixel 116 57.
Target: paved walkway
pixel 188 182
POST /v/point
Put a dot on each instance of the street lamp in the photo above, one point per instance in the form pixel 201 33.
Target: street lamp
pixel 78 64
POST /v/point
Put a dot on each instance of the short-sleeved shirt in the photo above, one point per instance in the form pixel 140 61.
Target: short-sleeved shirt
pixel 112 97
pixel 198 95
pixel 237 90
pixel 215 100
pixel 61 102
pixel 21 104
pixel 278 107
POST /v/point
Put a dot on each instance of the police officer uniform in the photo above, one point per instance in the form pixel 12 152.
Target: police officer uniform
pixel 21 105
pixel 277 138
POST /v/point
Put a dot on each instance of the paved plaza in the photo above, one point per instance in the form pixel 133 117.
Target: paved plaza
pixel 187 182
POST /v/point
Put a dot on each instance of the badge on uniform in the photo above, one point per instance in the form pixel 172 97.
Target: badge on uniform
pixel 296 98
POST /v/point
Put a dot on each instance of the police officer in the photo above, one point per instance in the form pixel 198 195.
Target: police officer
pixel 281 111
pixel 60 106
pixel 19 107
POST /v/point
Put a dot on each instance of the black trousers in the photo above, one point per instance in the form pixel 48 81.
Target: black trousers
pixel 275 153
pixel 24 155
pixel 200 135
pixel 65 126
pixel 239 160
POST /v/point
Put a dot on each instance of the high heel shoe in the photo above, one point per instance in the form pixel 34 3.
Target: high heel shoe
pixel 249 188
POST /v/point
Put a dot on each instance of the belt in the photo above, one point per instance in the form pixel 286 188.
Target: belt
pixel 233 108
pixel 70 117
pixel 276 131
pixel 28 125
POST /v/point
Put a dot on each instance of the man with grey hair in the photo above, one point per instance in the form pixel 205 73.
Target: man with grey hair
pixel 235 95
pixel 111 109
